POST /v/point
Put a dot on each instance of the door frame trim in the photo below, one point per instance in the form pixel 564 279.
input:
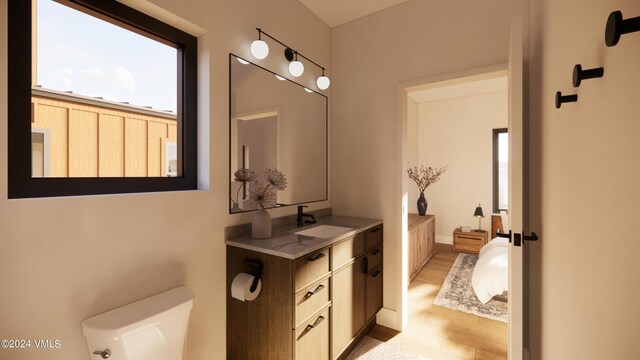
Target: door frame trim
pixel 398 318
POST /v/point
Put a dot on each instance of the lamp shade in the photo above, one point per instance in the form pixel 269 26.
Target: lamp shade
pixel 323 82
pixel 259 49
pixel 478 211
pixel 296 68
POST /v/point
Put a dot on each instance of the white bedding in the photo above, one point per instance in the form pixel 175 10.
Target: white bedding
pixel 491 273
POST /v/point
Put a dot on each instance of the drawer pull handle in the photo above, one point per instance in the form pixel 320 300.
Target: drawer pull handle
pixel 375 230
pixel 376 252
pixel 311 293
pixel 376 273
pixel 317 257
pixel 316 323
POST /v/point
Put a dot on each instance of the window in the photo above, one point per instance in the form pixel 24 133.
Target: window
pixel 500 170
pixel 102 100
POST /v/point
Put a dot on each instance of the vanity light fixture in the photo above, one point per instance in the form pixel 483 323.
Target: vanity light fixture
pixel 323 81
pixel 260 50
pixel 296 68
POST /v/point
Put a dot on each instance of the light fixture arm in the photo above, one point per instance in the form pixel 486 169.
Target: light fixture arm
pixel 288 47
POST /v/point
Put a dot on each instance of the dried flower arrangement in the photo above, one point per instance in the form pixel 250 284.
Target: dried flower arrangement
pixel 425 176
pixel 243 176
pixel 263 193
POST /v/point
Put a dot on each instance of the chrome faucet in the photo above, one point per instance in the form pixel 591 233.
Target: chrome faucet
pixel 302 215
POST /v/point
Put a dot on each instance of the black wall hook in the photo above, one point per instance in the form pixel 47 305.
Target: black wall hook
pixel 579 74
pixel 616 27
pixel 560 99
pixel 256 266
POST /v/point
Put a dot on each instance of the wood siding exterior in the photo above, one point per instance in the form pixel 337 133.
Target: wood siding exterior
pixel 87 140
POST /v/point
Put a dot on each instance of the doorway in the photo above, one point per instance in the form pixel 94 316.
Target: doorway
pixel 462 184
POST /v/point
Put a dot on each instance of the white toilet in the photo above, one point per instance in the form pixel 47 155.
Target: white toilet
pixel 154 328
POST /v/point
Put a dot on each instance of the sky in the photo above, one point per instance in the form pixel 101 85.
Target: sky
pixel 91 57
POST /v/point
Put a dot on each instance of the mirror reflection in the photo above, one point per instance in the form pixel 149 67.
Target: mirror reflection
pixel 275 123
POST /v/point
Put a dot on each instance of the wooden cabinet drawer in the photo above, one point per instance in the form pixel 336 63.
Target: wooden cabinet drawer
pixel 310 300
pixel 468 242
pixel 347 250
pixel 373 258
pixel 373 299
pixel 312 338
pixel 373 237
pixel 310 268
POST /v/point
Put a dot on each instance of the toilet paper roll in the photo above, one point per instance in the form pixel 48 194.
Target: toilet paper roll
pixel 240 287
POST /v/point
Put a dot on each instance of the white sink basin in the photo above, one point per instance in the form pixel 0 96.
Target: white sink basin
pixel 324 231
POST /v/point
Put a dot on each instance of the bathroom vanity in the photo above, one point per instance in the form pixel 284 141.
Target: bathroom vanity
pixel 321 290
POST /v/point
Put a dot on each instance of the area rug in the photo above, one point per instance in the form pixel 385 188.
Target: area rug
pixel 457 294
pixel 371 349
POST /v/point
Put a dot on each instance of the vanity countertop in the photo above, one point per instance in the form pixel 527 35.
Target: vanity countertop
pixel 285 243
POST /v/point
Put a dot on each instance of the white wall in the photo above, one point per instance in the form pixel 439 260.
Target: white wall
pixel 371 57
pixel 65 259
pixel 584 175
pixel 457 133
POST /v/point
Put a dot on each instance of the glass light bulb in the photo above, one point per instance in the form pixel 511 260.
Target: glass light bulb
pixel 323 82
pixel 296 68
pixel 242 61
pixel 280 78
pixel 308 90
pixel 259 49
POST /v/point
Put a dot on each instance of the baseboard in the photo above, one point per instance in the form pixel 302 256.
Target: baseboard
pixel 388 318
pixel 444 247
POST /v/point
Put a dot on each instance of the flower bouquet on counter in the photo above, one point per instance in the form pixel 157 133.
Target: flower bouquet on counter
pixel 242 176
pixel 262 193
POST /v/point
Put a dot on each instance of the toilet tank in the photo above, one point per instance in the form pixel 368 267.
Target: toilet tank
pixel 154 328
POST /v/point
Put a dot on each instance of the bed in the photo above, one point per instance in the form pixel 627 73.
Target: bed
pixel 491 273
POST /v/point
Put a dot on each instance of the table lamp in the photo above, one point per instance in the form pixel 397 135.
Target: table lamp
pixel 479 214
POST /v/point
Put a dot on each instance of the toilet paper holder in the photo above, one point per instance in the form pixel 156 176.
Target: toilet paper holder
pixel 256 267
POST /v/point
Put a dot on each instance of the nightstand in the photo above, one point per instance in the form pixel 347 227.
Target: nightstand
pixel 469 241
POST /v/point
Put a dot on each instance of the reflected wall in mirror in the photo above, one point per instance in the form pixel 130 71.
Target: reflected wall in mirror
pixel 275 124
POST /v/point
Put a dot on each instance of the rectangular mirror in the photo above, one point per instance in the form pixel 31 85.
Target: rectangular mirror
pixel 280 124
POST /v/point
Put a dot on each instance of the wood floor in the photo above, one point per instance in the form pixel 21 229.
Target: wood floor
pixel 439 333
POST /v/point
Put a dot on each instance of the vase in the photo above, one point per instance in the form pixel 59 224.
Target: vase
pixel 422 205
pixel 236 207
pixel 261 224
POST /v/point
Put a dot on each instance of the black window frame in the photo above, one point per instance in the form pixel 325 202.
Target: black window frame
pixel 496 169
pixel 20 182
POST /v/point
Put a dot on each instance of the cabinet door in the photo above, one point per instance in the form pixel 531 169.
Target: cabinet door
pixel 423 245
pixel 413 248
pixel 431 230
pixel 348 304
pixel 312 338
pixel 373 293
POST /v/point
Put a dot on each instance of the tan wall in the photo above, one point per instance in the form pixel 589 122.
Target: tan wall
pixel 457 133
pixel 584 175
pixel 371 57
pixel 63 260
pixel 90 141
